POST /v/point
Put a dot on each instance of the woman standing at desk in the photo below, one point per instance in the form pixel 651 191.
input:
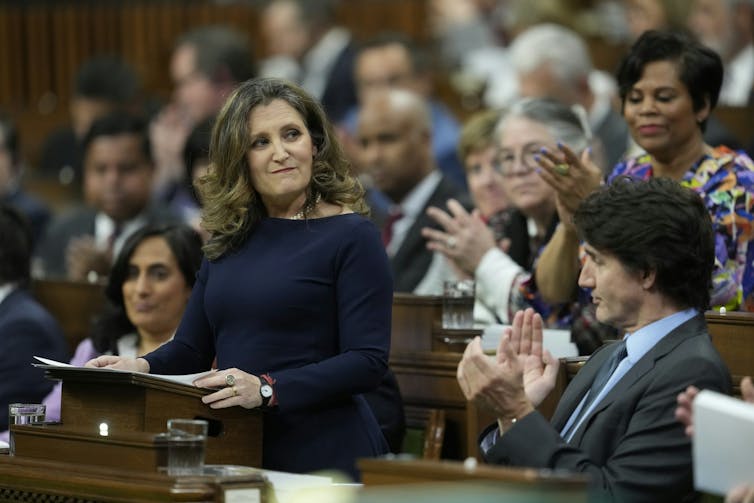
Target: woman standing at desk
pixel 294 298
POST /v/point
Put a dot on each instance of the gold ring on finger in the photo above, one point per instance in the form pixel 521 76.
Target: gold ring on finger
pixel 234 390
pixel 561 168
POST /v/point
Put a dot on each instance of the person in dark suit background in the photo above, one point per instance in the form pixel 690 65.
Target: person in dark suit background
pixel 26 328
pixel 11 171
pixel 650 252
pixel 294 298
pixel 395 150
pixel 310 48
pixel 207 63
pixel 118 175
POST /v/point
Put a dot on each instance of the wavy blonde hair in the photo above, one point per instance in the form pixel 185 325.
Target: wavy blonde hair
pixel 232 207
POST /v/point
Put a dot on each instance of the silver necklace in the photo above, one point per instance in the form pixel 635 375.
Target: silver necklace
pixel 306 209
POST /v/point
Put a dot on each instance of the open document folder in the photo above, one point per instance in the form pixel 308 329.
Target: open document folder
pixel 723 442
pixel 182 379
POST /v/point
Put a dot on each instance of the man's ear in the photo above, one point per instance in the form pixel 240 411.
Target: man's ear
pixel 648 278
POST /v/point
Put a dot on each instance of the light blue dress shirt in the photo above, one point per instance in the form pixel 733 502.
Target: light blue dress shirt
pixel 637 345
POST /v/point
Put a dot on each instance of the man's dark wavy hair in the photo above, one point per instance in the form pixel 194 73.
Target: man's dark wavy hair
pixel 655 225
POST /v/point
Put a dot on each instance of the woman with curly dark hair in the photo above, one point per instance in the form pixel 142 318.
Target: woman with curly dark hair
pixel 295 296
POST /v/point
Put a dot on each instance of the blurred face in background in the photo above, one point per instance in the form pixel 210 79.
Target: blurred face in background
pixel 155 291
pixel 520 140
pixel 388 67
pixel 711 21
pixel 486 183
pixel 643 15
pixel 117 176
pixel 195 93
pixel 395 149
pixel 284 33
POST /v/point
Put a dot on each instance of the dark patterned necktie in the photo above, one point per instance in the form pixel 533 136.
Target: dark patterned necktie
pixel 387 229
pixel 603 375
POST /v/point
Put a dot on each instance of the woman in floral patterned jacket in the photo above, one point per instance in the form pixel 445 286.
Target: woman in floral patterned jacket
pixel 669 85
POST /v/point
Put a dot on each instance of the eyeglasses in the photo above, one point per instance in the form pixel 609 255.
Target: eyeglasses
pixel 505 160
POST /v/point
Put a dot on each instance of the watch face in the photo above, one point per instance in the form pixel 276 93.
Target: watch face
pixel 265 390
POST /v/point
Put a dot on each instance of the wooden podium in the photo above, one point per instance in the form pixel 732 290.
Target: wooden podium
pixel 113 419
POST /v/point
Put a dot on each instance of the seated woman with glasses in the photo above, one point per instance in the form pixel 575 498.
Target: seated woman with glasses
pixel 500 261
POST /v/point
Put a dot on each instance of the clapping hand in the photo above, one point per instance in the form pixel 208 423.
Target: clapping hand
pixel 573 178
pixel 518 378
pixel 465 238
pixel 685 410
pixel 685 414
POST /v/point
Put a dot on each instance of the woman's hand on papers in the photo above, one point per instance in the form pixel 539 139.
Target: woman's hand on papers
pixel 119 363
pixel 234 387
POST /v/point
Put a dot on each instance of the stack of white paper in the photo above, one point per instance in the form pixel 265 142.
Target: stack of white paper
pixel 557 342
pixel 723 442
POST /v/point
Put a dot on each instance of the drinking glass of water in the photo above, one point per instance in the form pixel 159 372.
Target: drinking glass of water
pixel 187 439
pixel 24 413
pixel 458 304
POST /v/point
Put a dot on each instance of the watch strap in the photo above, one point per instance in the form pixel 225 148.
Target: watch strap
pixel 270 401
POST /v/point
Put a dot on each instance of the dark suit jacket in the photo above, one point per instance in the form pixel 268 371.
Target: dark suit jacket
pixel 26 330
pixel 631 446
pixel 339 95
pixel 34 209
pixel 50 253
pixel 411 261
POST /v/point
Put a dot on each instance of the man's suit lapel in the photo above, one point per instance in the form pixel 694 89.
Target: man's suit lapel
pixel 413 254
pixel 578 387
pixel 691 328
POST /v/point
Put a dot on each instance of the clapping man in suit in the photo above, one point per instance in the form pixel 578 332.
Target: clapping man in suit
pixel 395 149
pixel 649 257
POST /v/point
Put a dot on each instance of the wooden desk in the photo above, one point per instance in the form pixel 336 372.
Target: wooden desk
pixel 135 407
pixel 24 479
pixel 733 336
pixel 547 485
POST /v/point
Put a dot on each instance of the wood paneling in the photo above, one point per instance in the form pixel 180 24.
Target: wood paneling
pixel 42 43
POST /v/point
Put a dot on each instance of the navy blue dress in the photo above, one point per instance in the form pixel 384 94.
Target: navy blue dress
pixel 309 302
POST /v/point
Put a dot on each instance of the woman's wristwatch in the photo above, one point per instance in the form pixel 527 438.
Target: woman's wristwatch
pixel 266 391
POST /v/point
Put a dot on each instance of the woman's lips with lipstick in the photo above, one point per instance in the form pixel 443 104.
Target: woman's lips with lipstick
pixel 650 129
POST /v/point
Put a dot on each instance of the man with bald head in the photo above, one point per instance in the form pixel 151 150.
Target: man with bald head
pixel 395 149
